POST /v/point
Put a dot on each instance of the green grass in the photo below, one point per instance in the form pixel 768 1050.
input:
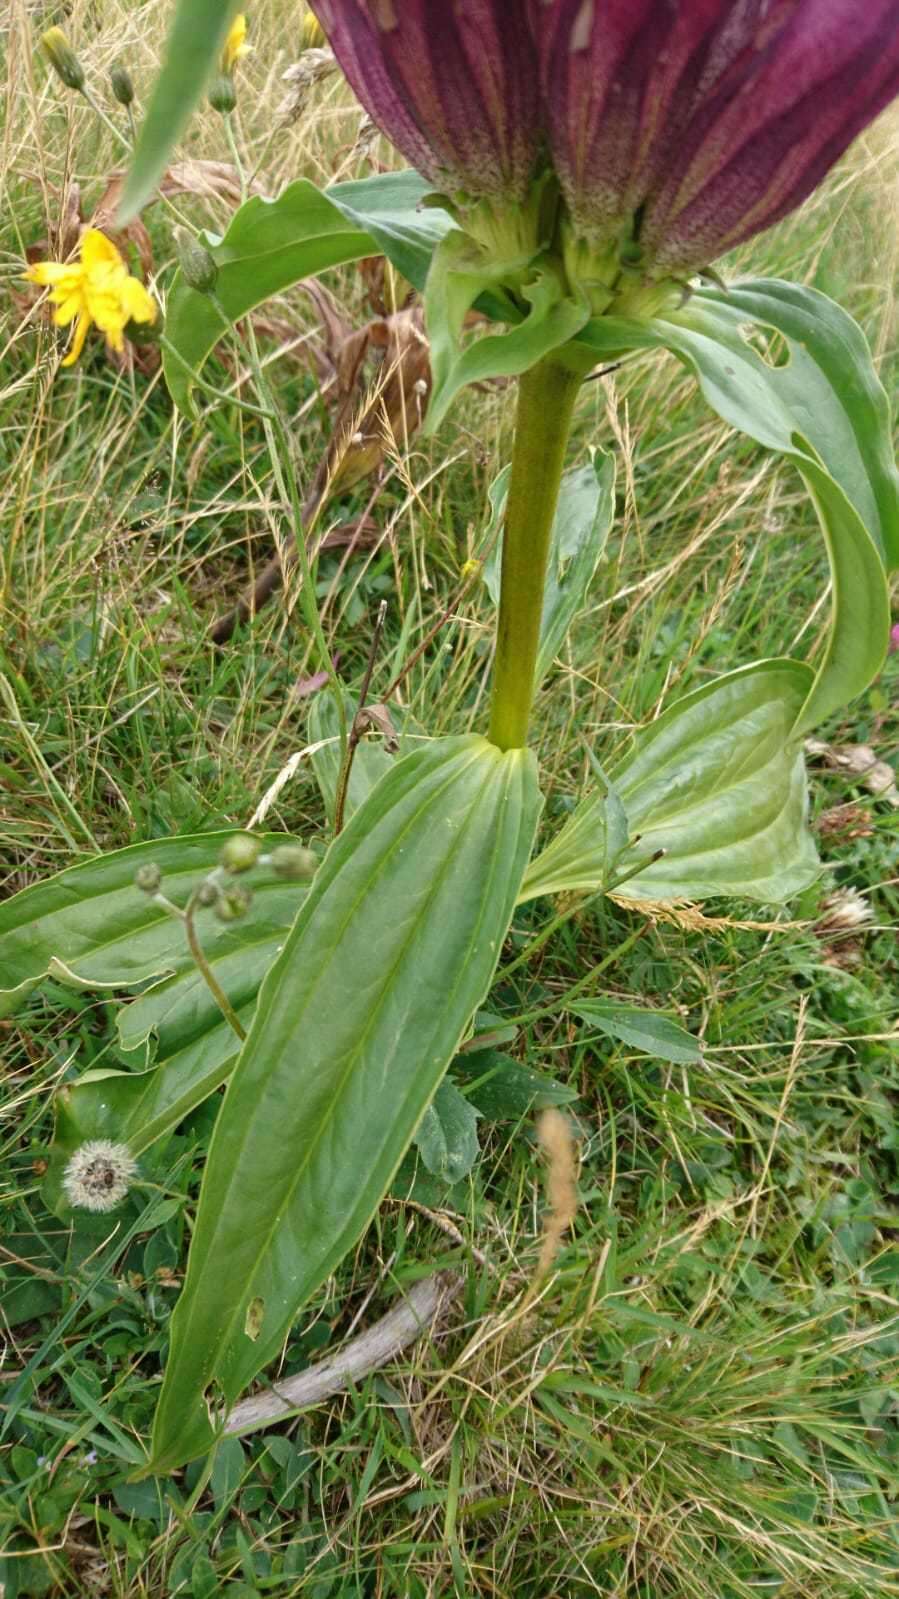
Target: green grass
pixel 701 1405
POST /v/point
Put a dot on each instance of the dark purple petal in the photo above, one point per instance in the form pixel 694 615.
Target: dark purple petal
pixel 755 152
pixel 710 118
pixel 617 75
pixel 452 83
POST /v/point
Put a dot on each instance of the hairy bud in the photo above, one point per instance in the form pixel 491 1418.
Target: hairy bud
pixel 313 35
pixel 223 95
pixel 240 853
pixel 121 85
pixel 293 863
pixel 197 264
pixel 62 58
pixel 148 878
pixel 233 903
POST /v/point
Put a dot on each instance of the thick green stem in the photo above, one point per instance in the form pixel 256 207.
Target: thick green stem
pixel 546 400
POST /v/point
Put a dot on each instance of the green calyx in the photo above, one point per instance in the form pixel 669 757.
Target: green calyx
pixel 509 231
pixel 615 276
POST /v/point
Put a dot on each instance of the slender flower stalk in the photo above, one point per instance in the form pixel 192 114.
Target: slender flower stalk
pixel 546 399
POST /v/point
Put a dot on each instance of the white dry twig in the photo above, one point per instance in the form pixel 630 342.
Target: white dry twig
pixel 412 1317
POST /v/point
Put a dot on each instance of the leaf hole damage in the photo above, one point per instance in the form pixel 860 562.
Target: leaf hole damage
pixel 254 1318
pixel 770 344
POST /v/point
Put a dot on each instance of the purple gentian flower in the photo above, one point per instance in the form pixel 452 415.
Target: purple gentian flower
pixel 677 128
pixel 706 120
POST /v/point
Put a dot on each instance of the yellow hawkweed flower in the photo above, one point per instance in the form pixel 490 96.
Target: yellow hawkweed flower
pixel 236 46
pixel 99 289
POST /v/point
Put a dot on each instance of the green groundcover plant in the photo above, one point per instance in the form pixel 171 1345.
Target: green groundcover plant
pixel 577 166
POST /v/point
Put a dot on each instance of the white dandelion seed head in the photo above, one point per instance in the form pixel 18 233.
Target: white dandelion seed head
pixel 99 1175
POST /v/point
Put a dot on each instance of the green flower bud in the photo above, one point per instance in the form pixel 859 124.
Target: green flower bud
pixel 223 95
pixel 293 863
pixel 121 85
pixel 240 853
pixel 198 266
pixel 148 878
pixel 62 58
pixel 208 893
pixel 233 903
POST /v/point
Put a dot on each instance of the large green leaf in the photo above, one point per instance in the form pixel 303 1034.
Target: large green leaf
pixel 355 1026
pixel 581 527
pixel 830 390
pixel 272 244
pixel 198 32
pixel 718 783
pixel 826 412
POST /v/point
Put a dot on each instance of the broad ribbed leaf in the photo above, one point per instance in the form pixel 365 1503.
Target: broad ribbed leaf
pixel 198 32
pixel 648 1030
pixel 826 412
pixel 718 783
pixel 581 527
pixel 355 1026
pixel 831 391
pixel 272 244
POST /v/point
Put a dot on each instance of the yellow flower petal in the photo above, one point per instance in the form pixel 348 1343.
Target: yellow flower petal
pixel 68 307
pixel 47 272
pixel 139 304
pixel 81 331
pixel 235 44
pixel 97 251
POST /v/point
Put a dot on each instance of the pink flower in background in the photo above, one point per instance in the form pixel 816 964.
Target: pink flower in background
pixel 894 639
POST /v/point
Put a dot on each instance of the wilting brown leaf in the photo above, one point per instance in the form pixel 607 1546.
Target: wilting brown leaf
pixel 361 534
pixel 64 238
pixel 392 410
pixel 335 330
pixel 374 420
pixel 103 217
pixel 378 718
